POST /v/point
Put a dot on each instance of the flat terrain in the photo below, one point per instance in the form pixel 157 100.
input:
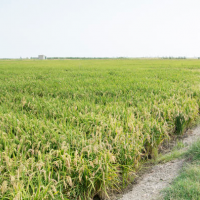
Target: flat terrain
pixel 71 129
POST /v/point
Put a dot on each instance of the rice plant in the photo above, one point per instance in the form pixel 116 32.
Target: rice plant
pixel 73 129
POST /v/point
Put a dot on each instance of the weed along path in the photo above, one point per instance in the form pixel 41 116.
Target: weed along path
pixel 150 184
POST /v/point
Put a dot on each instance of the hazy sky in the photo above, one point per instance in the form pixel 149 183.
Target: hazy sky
pixel 98 28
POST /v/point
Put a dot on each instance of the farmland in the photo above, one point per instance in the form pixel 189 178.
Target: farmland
pixel 70 129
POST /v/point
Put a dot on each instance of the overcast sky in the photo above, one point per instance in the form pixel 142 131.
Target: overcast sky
pixel 99 28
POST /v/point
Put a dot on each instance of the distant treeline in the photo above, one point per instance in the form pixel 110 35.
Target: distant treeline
pixel 62 58
pixel 82 58
pixel 49 58
pixel 173 57
pixel 115 58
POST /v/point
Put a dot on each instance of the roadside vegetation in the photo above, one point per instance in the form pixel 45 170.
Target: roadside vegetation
pixel 72 129
pixel 186 185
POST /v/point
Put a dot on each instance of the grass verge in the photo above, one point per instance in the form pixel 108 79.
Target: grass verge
pixel 187 185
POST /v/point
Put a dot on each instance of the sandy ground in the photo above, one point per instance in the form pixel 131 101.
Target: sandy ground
pixel 150 184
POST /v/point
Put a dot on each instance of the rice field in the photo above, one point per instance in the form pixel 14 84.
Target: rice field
pixel 71 129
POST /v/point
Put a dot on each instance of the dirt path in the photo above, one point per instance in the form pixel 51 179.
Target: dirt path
pixel 148 186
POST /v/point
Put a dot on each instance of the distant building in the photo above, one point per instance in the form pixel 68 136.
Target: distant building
pixel 41 57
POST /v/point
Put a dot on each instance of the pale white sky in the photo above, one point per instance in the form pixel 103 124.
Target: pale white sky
pixel 99 28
